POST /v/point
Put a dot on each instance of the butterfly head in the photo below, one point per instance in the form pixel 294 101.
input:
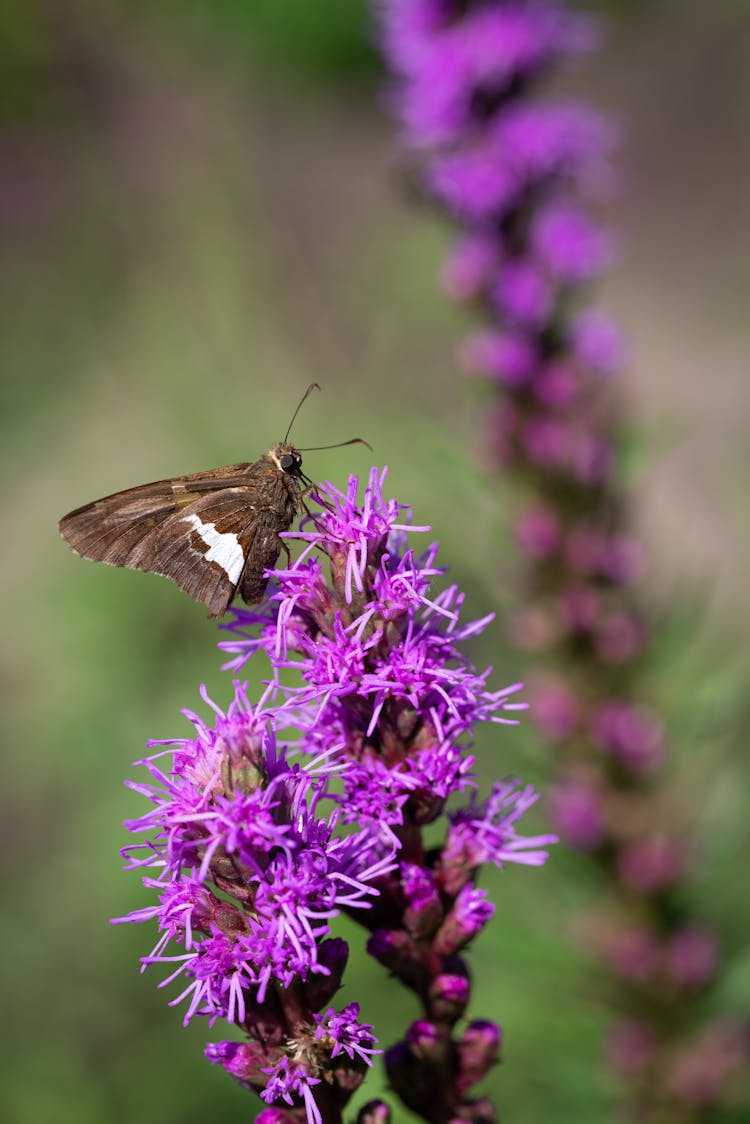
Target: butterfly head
pixel 286 458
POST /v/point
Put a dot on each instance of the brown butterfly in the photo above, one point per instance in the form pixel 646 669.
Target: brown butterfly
pixel 214 533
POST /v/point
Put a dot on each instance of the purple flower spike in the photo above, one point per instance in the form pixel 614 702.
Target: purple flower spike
pixel 519 175
pixel 384 682
pixel 272 821
pixel 386 691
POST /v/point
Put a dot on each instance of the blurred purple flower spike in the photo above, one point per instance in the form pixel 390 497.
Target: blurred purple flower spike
pixel 517 173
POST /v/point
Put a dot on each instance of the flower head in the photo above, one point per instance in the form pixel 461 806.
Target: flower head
pixel 268 822
pixel 384 681
pixel 234 816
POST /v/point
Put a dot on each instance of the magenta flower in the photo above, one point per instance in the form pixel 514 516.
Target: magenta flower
pixel 268 824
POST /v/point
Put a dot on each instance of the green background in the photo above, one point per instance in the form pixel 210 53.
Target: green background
pixel 202 212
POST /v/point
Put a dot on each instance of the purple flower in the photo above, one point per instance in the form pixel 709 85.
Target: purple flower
pixel 470 267
pixel 634 954
pixel 630 1047
pixel 342 1033
pixel 597 341
pixel 445 60
pixel 538 531
pixel 470 913
pixel 234 815
pixel 572 248
pixel 267 824
pixel 487 831
pixel 652 863
pixel 511 359
pixel 289 1081
pixel 576 812
pixel 384 681
pixel 524 147
pixel 632 733
pixel 692 956
pixel 706 1067
pixel 523 294
pixel 555 709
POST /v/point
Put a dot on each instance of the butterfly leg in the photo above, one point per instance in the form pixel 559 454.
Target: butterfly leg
pixel 323 503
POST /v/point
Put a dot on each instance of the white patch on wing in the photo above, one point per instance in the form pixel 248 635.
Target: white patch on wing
pixel 224 549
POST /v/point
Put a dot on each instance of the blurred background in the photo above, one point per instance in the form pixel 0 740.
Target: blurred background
pixel 201 211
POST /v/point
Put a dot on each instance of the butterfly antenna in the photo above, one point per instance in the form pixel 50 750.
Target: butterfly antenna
pixel 340 445
pixel 313 386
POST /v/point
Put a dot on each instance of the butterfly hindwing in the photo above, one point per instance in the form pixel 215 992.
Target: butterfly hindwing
pixel 204 546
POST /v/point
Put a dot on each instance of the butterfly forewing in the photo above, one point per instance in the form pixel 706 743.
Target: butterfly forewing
pixel 213 533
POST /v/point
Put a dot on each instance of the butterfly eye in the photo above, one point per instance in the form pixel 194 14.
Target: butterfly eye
pixel 290 463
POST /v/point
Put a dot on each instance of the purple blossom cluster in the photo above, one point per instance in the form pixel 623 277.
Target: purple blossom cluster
pixel 518 174
pixel 269 823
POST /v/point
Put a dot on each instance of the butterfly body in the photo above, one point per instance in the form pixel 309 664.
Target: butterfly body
pixel 213 533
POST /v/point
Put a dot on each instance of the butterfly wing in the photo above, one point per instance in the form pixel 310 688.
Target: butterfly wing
pixel 194 529
pixel 217 545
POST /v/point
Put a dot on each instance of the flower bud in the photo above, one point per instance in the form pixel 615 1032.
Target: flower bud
pixel 633 954
pixel 509 358
pixel 631 733
pixel 395 950
pixel 703 1069
pixel 630 1046
pixel 413 1081
pixel 554 709
pixel 478 1051
pixel 425 1040
pixel 279 1116
pixel 598 341
pixel 459 858
pixel 470 913
pixel 556 385
pixel 479 1111
pixel 374 1112
pixel 650 865
pixel 579 608
pixel 333 954
pixel 449 996
pixel 575 811
pixel 244 1061
pixel 546 441
pixel 584 549
pixel 424 910
pixel 619 638
pixel 537 532
pixel 691 957
pixel 469 267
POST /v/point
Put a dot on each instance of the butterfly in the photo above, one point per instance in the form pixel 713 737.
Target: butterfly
pixel 214 533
